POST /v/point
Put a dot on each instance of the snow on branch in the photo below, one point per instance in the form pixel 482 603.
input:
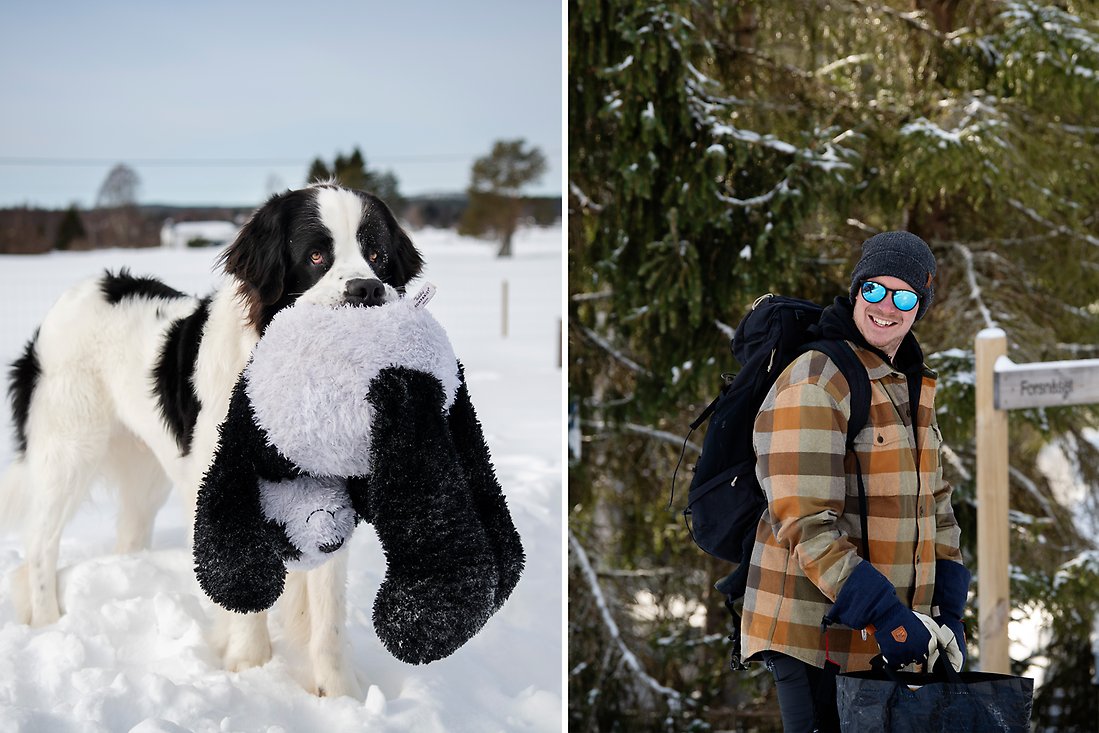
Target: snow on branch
pixel 1053 227
pixel 1078 349
pixel 782 187
pixel 857 58
pixel 913 19
pixel 1074 129
pixel 582 297
pixel 753 138
pixel 1032 488
pixel 582 198
pixel 727 330
pixel 646 430
pixel 674 699
pixel 955 461
pixel 615 353
pixel 974 288
pixel 967 131
pixel 828 158
pixel 661 435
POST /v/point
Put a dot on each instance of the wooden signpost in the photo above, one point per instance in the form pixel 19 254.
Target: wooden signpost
pixel 1003 385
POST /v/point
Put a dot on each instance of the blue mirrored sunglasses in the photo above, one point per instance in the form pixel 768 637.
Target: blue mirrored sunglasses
pixel 874 292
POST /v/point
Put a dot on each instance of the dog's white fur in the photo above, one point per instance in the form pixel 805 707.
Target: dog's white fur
pixel 95 407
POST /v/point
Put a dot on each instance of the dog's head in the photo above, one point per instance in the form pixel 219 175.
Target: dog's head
pixel 322 244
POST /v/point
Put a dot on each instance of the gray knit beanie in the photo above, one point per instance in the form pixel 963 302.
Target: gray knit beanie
pixel 897 254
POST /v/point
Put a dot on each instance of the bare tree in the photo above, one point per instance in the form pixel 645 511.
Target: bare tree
pixel 119 188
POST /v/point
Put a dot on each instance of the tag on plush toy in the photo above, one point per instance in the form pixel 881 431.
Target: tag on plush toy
pixel 424 296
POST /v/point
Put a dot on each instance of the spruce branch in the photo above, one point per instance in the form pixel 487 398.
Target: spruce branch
pixel 974 289
pixel 629 659
pixel 615 354
pixel 1052 226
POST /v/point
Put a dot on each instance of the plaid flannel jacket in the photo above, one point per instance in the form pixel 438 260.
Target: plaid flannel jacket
pixel 809 539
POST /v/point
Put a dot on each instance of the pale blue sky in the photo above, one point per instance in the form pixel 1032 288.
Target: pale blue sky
pixel 421 87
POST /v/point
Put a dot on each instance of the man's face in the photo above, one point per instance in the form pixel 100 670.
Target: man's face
pixel 882 324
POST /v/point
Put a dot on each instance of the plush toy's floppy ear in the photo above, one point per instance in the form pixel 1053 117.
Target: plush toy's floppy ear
pixel 236 560
pixel 440 584
pixel 488 497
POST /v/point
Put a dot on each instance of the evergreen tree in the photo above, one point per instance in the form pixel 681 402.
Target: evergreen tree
pixel 318 171
pixel 352 171
pixel 722 150
pixel 495 190
pixel 70 229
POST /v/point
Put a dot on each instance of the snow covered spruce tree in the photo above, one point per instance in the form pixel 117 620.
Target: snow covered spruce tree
pixel 722 150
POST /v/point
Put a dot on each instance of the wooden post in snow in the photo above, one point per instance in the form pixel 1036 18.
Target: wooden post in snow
pixel 504 310
pixel 560 344
pixel 993 591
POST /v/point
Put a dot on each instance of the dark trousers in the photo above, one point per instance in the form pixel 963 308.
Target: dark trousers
pixel 806 694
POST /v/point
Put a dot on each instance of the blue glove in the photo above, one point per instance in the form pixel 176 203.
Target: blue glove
pixel 948 599
pixel 868 598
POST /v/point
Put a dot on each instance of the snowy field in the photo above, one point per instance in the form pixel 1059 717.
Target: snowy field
pixel 130 653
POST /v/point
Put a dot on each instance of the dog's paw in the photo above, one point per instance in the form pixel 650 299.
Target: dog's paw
pixel 242 641
pixel 335 680
pixel 240 660
pixel 39 611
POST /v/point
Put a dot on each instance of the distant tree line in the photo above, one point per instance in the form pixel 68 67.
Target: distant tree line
pixel 493 206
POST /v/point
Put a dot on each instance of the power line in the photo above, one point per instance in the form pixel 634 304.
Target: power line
pixel 45 161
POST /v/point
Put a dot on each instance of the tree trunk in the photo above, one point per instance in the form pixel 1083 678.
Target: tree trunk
pixel 942 12
pixel 505 242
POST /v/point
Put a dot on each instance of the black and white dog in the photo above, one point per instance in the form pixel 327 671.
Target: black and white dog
pixel 127 379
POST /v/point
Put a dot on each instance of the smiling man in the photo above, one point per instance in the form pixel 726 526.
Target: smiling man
pixel 815 604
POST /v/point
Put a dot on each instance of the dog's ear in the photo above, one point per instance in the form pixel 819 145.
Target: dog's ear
pixel 259 256
pixel 407 262
pixel 236 562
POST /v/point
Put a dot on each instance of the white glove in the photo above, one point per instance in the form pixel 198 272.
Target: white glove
pixel 933 644
pixel 942 641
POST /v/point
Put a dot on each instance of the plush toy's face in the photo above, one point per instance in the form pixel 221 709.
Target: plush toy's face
pixel 313 367
pixel 315 514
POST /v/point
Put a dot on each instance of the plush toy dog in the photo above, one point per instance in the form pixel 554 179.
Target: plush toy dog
pixel 348 414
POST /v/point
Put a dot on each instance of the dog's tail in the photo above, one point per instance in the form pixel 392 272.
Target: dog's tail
pixel 26 371
pixel 13 495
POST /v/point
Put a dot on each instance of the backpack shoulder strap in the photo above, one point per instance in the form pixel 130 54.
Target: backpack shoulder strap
pixel 858 382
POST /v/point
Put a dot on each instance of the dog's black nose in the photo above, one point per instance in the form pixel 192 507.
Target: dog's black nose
pixel 362 291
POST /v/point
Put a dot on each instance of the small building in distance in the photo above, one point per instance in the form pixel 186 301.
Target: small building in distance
pixel 183 234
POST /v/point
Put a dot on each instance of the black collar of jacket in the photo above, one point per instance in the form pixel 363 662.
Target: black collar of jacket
pixel 838 322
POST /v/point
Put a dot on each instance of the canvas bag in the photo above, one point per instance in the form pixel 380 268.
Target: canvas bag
pixel 881 700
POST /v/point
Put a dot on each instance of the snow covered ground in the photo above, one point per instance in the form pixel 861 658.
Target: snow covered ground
pixel 130 653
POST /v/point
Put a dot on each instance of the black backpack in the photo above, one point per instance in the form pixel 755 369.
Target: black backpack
pixel 725 501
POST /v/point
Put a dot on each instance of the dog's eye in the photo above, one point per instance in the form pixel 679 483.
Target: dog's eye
pixel 317 257
pixel 373 256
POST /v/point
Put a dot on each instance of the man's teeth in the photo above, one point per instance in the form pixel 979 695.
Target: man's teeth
pixel 880 322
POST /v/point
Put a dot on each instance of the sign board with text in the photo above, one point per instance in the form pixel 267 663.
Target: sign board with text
pixel 1046 384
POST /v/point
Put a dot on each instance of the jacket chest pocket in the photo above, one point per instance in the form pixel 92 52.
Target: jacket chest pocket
pixel 885 457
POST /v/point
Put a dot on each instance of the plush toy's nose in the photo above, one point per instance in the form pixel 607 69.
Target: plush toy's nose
pixel 362 291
